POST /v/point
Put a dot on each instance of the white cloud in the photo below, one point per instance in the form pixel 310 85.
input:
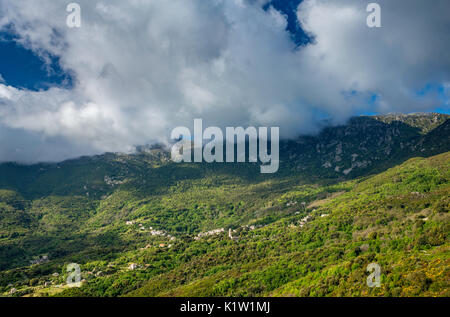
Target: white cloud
pixel 145 67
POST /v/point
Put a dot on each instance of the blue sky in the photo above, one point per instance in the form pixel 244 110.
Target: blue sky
pixel 289 8
pixel 26 70
pixel 21 68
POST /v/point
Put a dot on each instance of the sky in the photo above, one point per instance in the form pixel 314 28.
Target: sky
pixel 135 69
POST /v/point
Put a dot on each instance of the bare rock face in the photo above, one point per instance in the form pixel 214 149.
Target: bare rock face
pixel 366 143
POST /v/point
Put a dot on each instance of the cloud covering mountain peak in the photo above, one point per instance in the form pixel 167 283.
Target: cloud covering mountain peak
pixel 142 68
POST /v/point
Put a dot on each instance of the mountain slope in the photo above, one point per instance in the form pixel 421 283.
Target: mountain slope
pixel 108 211
pixel 368 144
pixel 398 219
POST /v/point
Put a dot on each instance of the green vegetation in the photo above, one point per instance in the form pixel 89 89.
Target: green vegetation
pixel 297 233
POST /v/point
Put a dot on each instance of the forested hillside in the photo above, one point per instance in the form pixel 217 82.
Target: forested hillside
pixel 373 191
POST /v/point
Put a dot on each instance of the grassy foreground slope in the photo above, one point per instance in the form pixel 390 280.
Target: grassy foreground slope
pixel 398 219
